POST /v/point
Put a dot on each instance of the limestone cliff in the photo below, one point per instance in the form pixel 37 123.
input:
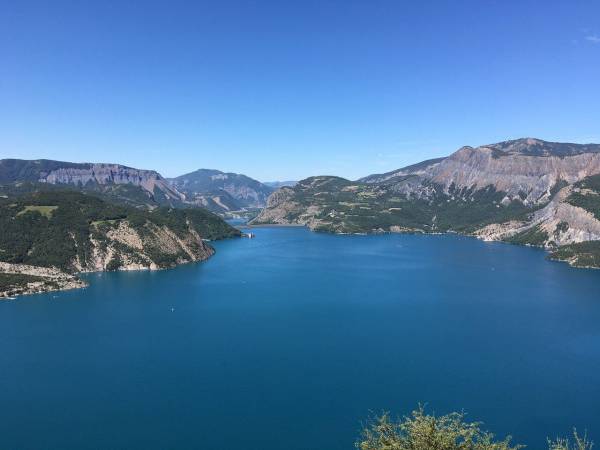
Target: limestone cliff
pixel 126 184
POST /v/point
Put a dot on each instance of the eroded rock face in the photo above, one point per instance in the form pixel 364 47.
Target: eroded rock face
pixel 157 247
pixel 526 169
pixel 517 174
pixel 104 174
pixel 562 223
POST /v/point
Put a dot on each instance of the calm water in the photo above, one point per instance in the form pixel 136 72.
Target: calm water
pixel 289 340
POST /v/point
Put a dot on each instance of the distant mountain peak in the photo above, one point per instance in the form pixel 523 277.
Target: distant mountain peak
pixel 222 191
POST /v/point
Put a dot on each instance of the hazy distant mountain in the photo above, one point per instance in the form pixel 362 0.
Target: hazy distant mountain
pixel 125 184
pixel 524 191
pixel 222 192
pixel 278 184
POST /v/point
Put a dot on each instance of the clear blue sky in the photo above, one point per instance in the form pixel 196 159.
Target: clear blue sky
pixel 288 89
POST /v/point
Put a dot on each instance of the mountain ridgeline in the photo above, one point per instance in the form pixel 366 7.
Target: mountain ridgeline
pixel 222 192
pixel 122 184
pixel 524 191
pixel 214 190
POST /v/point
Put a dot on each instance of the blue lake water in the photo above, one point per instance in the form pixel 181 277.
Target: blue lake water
pixel 290 340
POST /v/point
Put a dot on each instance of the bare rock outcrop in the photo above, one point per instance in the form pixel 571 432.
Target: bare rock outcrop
pixel 104 174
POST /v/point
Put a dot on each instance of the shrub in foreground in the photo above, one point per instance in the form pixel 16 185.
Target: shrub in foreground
pixel 421 431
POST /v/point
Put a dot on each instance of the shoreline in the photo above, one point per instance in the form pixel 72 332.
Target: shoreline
pixel 274 225
pixel 569 262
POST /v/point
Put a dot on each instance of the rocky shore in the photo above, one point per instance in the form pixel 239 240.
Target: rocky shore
pixel 21 279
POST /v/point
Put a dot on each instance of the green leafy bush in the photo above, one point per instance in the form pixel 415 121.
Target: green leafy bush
pixel 422 431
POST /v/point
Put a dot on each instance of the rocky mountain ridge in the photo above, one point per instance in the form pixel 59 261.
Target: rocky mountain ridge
pixel 214 190
pixel 526 169
pixel 134 186
pixel 524 191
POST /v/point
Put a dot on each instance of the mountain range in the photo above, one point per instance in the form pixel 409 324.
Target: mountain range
pixel 61 218
pixel 214 190
pixel 525 191
pixel 222 192
pixel 123 184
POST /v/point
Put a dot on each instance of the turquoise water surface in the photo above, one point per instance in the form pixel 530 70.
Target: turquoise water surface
pixel 291 339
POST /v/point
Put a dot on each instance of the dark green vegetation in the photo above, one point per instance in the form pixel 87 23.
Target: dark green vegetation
pixel 534 236
pixel 587 195
pixel 348 207
pixel 422 431
pixel 9 281
pixel 56 227
pixel 583 254
pixel 122 194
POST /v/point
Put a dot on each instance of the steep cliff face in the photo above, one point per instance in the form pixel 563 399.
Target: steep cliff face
pixel 556 224
pixel 222 192
pixel 525 169
pixel 105 174
pixel 133 186
pixel 120 246
pixel 529 172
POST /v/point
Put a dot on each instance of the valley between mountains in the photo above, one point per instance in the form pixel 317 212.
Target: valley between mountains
pixel 58 219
